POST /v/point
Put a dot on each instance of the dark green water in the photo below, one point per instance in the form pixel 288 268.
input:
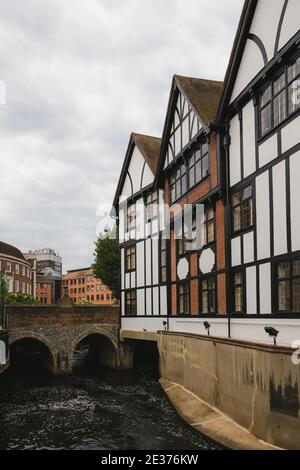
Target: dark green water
pixel 93 409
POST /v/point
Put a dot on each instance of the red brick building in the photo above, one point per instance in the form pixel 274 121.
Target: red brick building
pixel 190 173
pixel 43 289
pixel 16 269
pixel 84 287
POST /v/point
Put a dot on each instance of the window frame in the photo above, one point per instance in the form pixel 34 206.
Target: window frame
pixel 275 94
pixel 177 178
pixel 242 228
pixel 197 157
pixel 162 266
pixel 150 200
pixel 133 298
pixel 207 279
pixel 290 279
pixel 186 294
pixel 238 285
pixel 130 254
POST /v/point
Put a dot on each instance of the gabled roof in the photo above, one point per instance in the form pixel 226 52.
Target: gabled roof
pixel 203 96
pixel 237 54
pixel 10 250
pixel 150 149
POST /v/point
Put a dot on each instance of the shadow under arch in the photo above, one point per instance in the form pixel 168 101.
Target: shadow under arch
pixel 30 344
pixel 102 346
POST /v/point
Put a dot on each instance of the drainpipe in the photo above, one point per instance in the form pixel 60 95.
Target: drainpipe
pixel 226 145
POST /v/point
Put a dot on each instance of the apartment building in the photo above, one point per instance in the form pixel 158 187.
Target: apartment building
pixel 83 287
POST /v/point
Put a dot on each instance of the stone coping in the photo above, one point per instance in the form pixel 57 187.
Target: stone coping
pixel 279 349
pixel 211 422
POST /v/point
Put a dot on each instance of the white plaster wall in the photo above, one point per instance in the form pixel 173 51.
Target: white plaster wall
pixel 235 151
pixel 236 251
pixel 254 330
pixel 163 301
pixel 148 262
pixel 248 247
pixel 291 22
pixel 140 268
pixel 155 301
pixel 251 290
pixel 148 302
pixel 149 323
pixel 251 64
pixel 279 208
pixel 295 198
pixel 291 135
pixel 155 248
pixel 265 288
pixel 249 140
pixel 219 326
pixel 268 150
pixel 263 215
pixel 122 268
pixel 140 301
pixel 127 190
pixel 135 169
pixel 263 27
pixel 147 177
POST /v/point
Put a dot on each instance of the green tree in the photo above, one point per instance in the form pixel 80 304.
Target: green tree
pixel 11 298
pixel 107 261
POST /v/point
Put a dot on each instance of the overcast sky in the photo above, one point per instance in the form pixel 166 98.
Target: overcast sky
pixel 81 75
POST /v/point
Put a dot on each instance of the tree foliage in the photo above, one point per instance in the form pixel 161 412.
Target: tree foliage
pixel 11 298
pixel 107 261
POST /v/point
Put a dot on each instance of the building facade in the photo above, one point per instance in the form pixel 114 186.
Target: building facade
pixel 260 108
pixel 16 270
pixel 43 290
pixel 143 252
pixel 228 235
pixel 83 287
pixel 46 262
pixel 190 175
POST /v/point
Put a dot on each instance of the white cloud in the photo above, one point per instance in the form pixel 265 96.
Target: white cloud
pixel 80 76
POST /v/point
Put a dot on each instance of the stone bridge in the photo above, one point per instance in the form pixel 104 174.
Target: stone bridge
pixel 58 331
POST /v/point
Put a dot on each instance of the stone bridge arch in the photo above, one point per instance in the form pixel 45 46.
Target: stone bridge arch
pixel 107 352
pixel 24 334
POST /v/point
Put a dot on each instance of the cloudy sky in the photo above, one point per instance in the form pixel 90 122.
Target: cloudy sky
pixel 80 75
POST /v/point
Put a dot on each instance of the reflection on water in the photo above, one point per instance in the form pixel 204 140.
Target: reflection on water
pixel 93 409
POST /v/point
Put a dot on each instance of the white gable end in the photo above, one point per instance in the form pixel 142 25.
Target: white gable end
pixel 138 176
pixel 271 23
pixel 185 127
pixel 127 189
pixel 291 22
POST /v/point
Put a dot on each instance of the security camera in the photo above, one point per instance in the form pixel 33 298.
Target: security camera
pixel 272 333
pixel 207 327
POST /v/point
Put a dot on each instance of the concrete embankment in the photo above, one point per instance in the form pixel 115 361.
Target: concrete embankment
pixel 241 394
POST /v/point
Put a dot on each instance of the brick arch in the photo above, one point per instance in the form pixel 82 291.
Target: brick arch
pixel 94 330
pixel 28 334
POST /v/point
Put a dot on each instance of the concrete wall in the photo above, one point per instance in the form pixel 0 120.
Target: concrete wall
pixel 256 385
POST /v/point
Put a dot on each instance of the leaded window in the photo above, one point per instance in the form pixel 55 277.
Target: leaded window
pixel 183 293
pixel 198 165
pixel 288 286
pixel 130 258
pixel 281 98
pixel 130 303
pixel 208 295
pixel 239 292
pixel 163 260
pixel 242 207
pixel 178 183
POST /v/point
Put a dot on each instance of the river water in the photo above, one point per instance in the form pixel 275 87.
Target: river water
pixel 95 409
